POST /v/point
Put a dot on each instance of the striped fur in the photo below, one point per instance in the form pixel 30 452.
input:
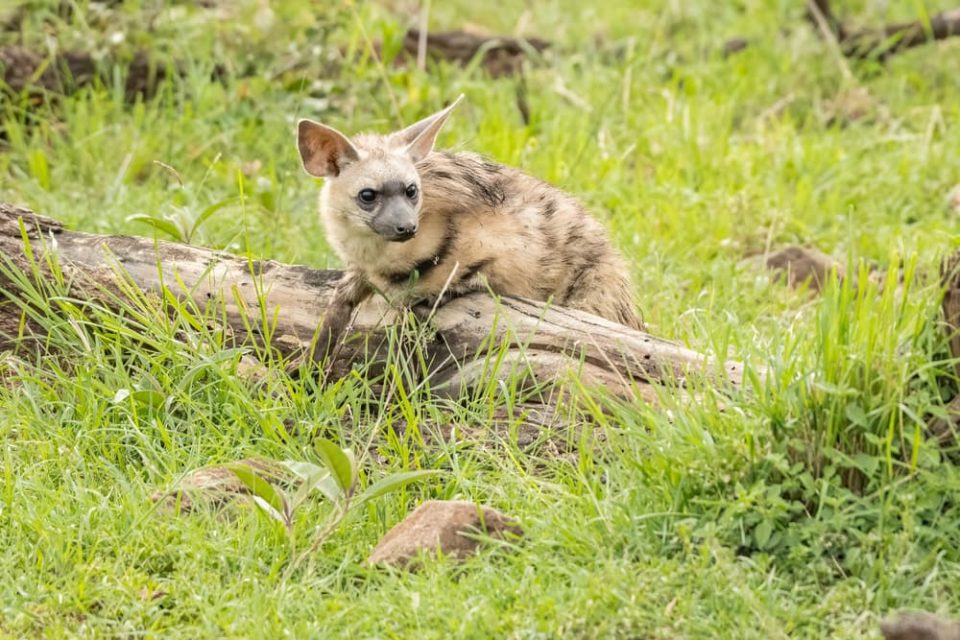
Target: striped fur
pixel 479 224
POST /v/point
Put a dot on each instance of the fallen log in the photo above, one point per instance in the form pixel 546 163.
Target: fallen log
pixel 23 69
pixel 499 55
pixel 549 343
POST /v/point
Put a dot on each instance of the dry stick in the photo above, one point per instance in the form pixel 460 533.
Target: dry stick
pixel 422 40
pixel 813 6
pixel 823 8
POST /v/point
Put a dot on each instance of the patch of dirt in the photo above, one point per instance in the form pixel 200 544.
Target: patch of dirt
pixel 27 70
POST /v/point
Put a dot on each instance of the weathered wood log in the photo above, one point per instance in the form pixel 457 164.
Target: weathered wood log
pixel 24 69
pixel 500 55
pixel 548 342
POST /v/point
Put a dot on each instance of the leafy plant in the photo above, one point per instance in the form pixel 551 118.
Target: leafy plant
pixel 182 226
pixel 336 479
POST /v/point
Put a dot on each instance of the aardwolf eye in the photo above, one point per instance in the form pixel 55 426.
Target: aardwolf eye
pixel 412 191
pixel 367 196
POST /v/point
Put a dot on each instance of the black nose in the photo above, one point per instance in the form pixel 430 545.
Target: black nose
pixel 406 229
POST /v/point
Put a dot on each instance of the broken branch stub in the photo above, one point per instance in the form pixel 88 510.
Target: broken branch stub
pixel 551 343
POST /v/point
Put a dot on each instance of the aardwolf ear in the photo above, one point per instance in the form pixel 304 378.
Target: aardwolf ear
pixel 418 139
pixel 324 150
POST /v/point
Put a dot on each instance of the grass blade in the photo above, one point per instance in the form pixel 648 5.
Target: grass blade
pixel 394 482
pixel 338 462
pixel 266 496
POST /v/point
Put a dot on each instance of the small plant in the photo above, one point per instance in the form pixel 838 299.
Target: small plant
pixel 183 225
pixel 336 479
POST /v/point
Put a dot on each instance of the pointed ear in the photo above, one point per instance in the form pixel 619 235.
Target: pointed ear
pixel 419 138
pixel 324 150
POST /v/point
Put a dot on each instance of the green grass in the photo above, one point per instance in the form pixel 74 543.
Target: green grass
pixel 810 507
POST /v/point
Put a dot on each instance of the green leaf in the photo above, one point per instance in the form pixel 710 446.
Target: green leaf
pixel 268 509
pixel 266 496
pixel 39 168
pixel 762 533
pixel 313 477
pixel 338 461
pixel 206 213
pixel 866 463
pixel 303 470
pixel 394 482
pixel 144 397
pixel 206 364
pixel 856 415
pixel 149 398
pixel 159 224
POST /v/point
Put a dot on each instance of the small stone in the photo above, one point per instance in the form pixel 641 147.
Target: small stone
pixel 801 265
pixel 147 594
pixel 251 369
pixel 447 526
pixel 953 199
pixel 849 106
pixel 734 45
pixel 250 168
pixel 920 626
pixel 215 486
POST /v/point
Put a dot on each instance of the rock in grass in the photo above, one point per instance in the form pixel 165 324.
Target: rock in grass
pixel 852 105
pixel 920 626
pixel 953 199
pixel 447 526
pixel 800 265
pixel 214 486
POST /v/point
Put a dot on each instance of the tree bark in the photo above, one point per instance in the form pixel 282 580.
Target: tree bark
pixel 550 343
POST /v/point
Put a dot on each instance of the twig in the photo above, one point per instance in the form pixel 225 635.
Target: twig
pixel 422 39
pixel 816 10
